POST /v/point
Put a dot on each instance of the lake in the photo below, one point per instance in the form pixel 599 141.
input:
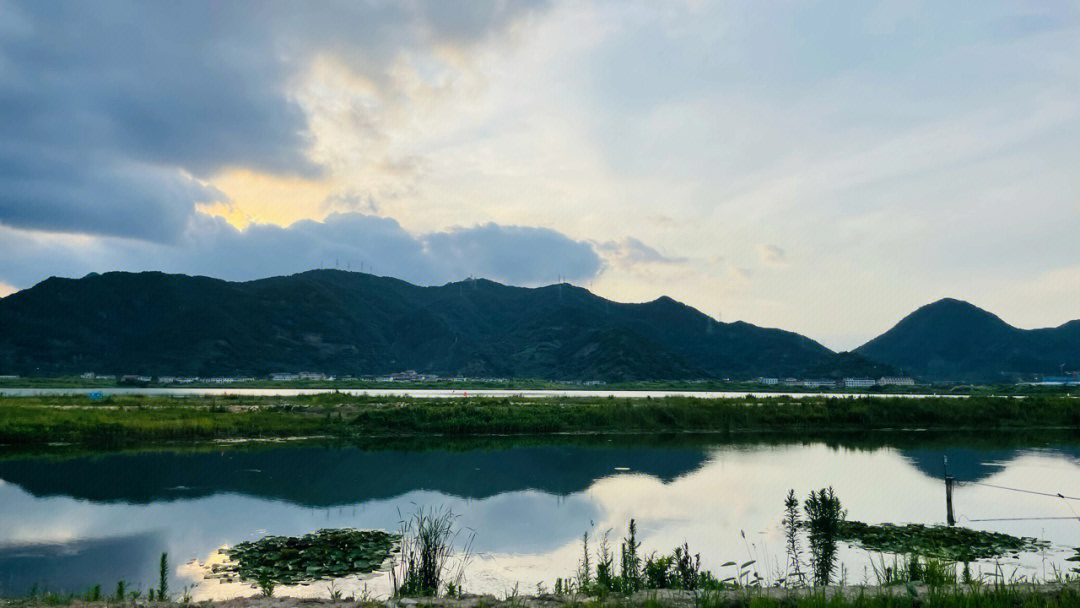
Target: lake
pixel 71 519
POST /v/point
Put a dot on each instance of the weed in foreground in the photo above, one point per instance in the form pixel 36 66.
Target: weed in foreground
pixel 427 562
pixel 824 516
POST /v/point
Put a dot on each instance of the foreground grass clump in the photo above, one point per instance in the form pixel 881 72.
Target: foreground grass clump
pixel 997 596
pixel 1005 596
pixel 944 542
pixel 602 575
pixel 289 560
pixel 428 561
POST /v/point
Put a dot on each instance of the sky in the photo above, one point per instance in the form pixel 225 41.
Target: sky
pixel 822 167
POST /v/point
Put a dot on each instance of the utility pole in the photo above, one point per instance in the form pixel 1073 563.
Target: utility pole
pixel 948 494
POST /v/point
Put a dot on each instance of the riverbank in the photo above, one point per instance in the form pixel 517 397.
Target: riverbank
pixel 897 596
pixel 121 420
pixel 77 383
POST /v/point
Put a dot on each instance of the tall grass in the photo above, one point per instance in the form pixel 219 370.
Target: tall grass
pixel 118 420
pixel 824 514
pixel 163 578
pixel 792 523
pixel 914 569
pixel 636 571
pixel 428 562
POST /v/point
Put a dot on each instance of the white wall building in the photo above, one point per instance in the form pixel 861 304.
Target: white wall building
pixel 859 382
pixel 896 381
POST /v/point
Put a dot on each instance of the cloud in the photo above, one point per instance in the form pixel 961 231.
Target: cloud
pixel 210 246
pixel 110 198
pixel 122 109
pixel 514 253
pixel 630 253
pixel 771 255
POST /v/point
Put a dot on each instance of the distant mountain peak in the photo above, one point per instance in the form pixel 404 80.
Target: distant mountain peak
pixel 955 309
pixel 952 339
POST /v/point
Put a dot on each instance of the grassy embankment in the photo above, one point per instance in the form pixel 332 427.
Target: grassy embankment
pixel 141 419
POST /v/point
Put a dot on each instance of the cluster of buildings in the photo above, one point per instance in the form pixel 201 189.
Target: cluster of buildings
pixel 405 376
pixel 142 379
pixel 291 376
pixel 408 375
pixel 845 383
pixel 1069 379
pixel 128 379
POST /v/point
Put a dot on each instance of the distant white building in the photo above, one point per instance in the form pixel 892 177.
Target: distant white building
pixel 859 382
pixel 819 383
pixel 284 377
pixel 87 376
pixel 312 376
pixel 768 381
pixel 896 381
pixel 1058 381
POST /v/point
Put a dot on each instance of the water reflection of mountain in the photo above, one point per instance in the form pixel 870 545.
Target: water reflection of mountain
pixel 328 476
pixel 75 566
pixel 973 464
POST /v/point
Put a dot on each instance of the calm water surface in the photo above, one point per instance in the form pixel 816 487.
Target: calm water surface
pixel 68 521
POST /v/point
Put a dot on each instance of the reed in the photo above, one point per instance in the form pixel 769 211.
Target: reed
pixel 428 561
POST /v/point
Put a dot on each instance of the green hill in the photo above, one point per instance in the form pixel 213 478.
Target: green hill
pixel 352 323
pixel 954 340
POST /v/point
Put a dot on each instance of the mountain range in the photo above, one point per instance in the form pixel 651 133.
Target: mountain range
pixel 954 340
pixel 349 323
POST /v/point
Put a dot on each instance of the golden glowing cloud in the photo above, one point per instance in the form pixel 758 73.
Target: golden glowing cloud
pixel 268 199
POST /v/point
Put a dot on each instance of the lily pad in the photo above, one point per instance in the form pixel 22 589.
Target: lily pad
pixel 945 542
pixel 322 555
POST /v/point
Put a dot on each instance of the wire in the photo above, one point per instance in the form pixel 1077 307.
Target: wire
pixel 1050 494
pixel 1071 508
pixel 1019 518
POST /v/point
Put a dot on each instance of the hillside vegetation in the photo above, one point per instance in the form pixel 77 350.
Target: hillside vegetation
pixel 352 323
pixel 955 340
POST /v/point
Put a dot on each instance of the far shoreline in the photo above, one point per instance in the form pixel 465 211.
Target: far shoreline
pixel 127 419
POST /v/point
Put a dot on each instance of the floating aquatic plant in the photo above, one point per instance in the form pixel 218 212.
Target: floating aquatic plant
pixel 322 555
pixel 945 542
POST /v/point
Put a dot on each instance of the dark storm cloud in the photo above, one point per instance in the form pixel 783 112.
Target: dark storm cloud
pixel 511 254
pixel 114 109
pixel 516 253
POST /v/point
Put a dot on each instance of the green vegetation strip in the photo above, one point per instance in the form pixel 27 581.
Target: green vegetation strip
pixel 944 542
pixel 326 554
pixel 133 419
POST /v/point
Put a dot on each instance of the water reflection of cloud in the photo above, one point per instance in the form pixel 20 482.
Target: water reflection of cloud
pixel 530 536
pixel 76 565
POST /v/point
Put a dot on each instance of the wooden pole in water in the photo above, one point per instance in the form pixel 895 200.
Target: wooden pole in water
pixel 948 500
pixel 948 494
